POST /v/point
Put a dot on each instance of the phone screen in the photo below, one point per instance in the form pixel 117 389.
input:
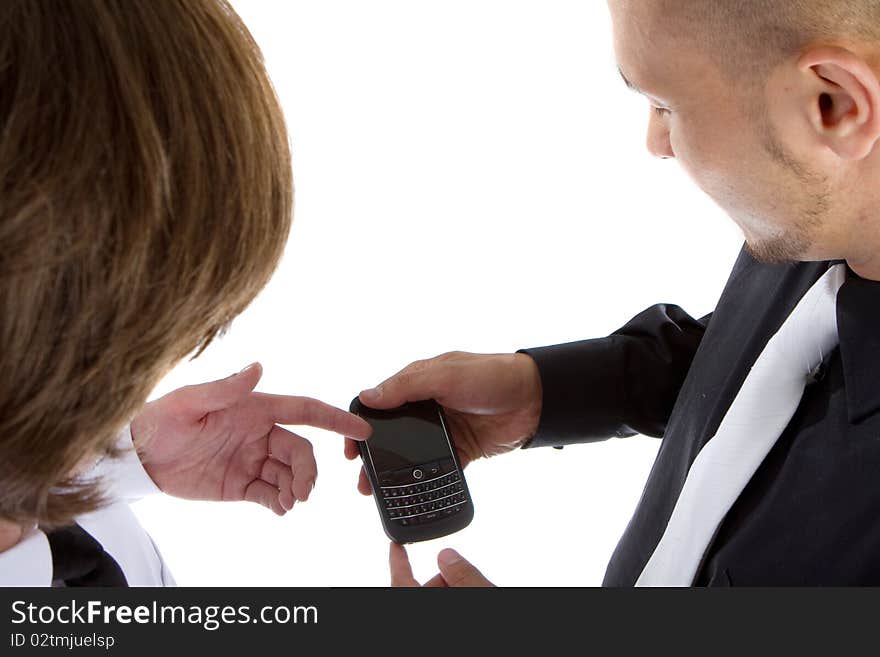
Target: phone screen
pixel 404 441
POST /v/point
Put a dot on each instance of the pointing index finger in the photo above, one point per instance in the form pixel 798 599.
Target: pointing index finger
pixel 286 409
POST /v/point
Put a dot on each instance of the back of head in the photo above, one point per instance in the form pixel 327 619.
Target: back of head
pixel 145 199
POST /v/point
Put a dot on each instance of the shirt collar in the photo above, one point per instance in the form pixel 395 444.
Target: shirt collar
pixel 28 562
pixel 858 325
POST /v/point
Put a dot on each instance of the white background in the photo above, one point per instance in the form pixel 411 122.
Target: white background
pixel 471 174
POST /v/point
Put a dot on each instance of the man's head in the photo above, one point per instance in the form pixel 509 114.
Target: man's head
pixel 145 199
pixel 772 107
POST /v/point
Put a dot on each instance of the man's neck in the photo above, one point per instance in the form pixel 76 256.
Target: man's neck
pixel 858 239
pixel 868 269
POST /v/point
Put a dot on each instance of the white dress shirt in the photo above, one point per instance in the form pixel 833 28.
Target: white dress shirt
pixel 115 527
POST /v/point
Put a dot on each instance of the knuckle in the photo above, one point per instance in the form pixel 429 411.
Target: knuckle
pixel 419 365
pixel 457 578
pixel 419 370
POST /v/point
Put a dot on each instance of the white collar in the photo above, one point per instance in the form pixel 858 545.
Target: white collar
pixel 28 562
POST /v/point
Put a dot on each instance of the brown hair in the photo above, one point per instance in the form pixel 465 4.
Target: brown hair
pixel 145 199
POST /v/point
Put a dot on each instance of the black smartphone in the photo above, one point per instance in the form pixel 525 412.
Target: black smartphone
pixel 414 472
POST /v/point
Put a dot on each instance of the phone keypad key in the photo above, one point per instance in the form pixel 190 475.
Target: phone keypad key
pixel 427 501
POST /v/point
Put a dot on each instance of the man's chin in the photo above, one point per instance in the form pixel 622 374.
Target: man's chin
pixel 781 250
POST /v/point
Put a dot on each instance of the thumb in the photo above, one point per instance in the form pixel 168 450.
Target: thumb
pixel 223 393
pixel 423 379
pixel 457 571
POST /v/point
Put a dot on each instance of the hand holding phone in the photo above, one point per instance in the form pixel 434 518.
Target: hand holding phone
pixel 491 402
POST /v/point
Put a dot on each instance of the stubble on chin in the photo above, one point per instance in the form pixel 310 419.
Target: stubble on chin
pixel 784 249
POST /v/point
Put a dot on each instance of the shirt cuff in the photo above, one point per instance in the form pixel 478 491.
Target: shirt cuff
pixel 124 477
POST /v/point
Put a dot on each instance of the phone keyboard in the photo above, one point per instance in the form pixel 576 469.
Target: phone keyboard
pixel 425 501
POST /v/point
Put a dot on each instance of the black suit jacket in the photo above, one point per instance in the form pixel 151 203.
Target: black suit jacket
pixel 808 516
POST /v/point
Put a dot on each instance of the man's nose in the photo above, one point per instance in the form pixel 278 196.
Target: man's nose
pixel 659 144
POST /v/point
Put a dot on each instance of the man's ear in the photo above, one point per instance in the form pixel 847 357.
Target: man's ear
pixel 844 100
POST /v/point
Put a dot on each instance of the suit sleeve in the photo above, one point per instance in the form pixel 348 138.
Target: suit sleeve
pixel 617 386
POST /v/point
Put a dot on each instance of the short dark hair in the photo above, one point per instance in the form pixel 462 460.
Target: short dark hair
pixel 146 198
pixel 752 36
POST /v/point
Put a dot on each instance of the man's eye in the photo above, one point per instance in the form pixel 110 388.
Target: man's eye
pixel 661 111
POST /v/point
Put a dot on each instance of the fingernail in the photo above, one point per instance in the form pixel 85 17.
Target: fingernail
pixel 448 557
pixel 249 367
pixel 373 393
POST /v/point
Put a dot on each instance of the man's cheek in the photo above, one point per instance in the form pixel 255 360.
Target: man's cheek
pixel 694 163
pixel 715 180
